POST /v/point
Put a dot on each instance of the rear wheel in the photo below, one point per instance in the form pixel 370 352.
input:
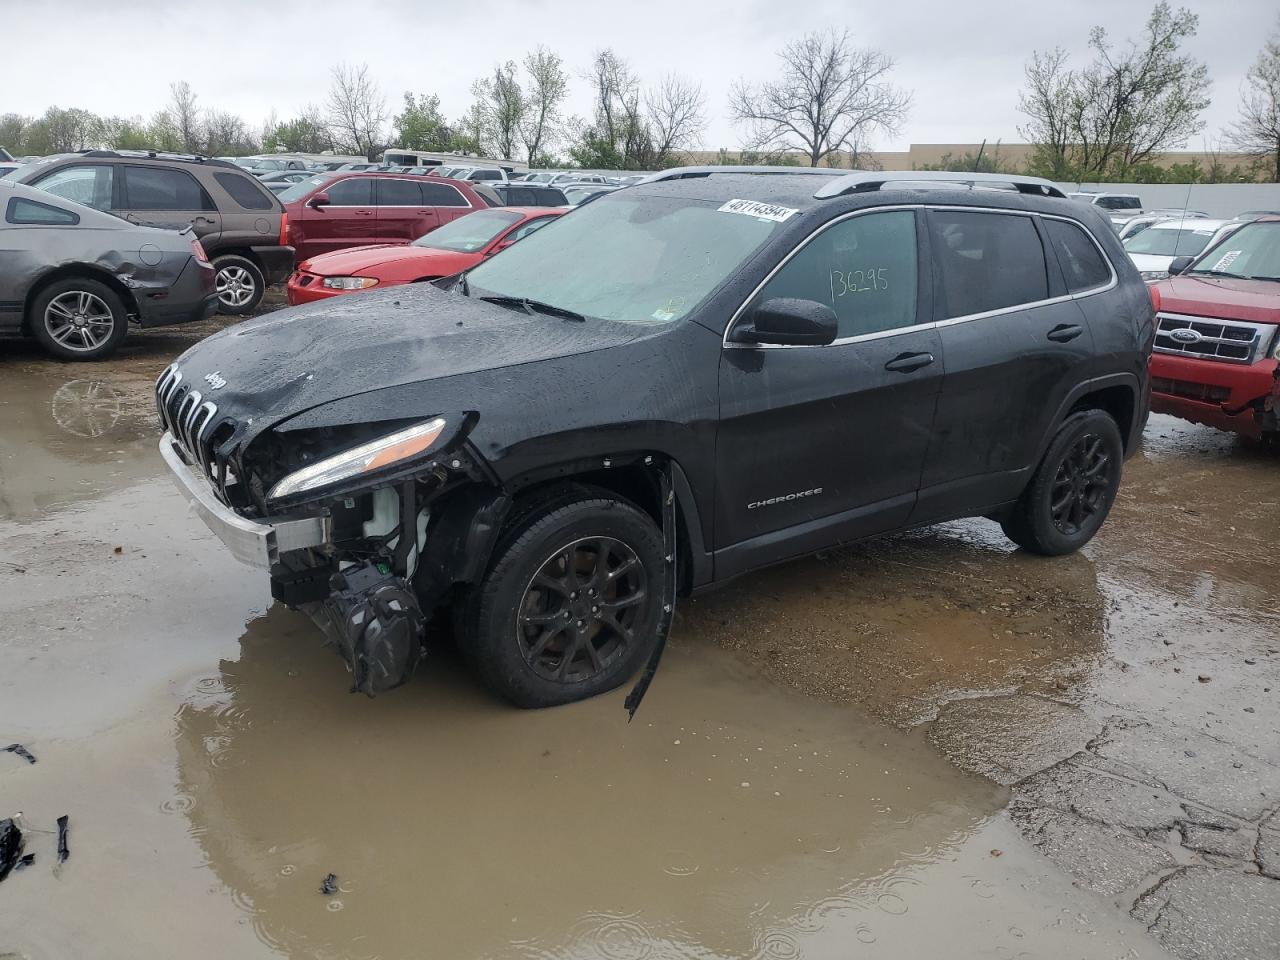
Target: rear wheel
pixel 239 283
pixel 571 604
pixel 1072 491
pixel 78 319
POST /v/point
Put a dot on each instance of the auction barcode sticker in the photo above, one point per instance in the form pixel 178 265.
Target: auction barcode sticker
pixel 753 208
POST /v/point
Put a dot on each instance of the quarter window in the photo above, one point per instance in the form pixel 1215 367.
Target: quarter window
pixel 864 268
pixel 442 195
pixel 159 188
pixel 23 211
pixel 398 193
pixel 243 192
pixel 986 261
pixel 89 184
pixel 1082 264
pixel 352 192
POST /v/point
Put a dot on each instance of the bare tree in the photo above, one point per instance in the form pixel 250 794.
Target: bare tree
pixel 1123 108
pixel 1257 132
pixel 674 111
pixel 184 117
pixel 502 102
pixel 830 97
pixel 1047 100
pixel 548 85
pixel 227 133
pixel 357 111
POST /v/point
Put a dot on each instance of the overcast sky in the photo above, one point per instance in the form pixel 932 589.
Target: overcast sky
pixel 962 61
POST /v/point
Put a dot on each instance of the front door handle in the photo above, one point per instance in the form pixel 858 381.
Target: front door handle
pixel 364 213
pixel 907 362
pixel 1064 332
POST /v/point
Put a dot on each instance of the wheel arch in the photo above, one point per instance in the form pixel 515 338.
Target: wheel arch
pixel 1116 394
pixel 72 271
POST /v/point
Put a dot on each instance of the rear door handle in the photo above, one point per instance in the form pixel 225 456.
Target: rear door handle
pixel 364 213
pixel 1064 332
pixel 907 362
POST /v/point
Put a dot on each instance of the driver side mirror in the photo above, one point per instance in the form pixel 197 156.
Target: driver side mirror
pixel 318 201
pixel 789 322
pixel 1179 265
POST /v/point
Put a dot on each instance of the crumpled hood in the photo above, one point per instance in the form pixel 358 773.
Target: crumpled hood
pixel 276 366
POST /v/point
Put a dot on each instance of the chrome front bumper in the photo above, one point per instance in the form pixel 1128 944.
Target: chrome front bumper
pixel 257 544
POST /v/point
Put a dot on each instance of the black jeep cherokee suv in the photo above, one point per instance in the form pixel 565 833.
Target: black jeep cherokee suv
pixel 239 222
pixel 708 372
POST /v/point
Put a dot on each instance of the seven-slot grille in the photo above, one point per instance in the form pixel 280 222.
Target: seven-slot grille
pixel 190 419
pixel 1230 341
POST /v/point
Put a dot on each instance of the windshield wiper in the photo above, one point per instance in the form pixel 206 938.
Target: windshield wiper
pixel 535 306
pixel 1213 273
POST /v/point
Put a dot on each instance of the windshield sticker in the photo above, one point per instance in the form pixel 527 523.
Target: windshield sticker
pixel 761 211
pixel 1227 260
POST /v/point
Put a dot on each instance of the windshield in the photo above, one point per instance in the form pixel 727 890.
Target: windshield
pixel 1169 243
pixel 632 258
pixel 297 191
pixel 1252 252
pixel 469 234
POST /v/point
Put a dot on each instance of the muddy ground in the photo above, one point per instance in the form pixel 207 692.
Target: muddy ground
pixel 930 745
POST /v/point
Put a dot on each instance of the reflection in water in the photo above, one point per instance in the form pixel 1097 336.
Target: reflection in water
pixel 87 408
pixel 729 819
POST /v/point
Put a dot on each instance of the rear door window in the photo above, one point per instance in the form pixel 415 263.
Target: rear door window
pixel 398 193
pixel 864 268
pixel 442 195
pixel 353 192
pixel 985 261
pixel 160 188
pixel 88 183
pixel 1082 263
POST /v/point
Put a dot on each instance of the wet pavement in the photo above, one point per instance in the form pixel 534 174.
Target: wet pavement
pixel 931 745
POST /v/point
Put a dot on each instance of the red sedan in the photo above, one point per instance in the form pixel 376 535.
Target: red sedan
pixel 457 246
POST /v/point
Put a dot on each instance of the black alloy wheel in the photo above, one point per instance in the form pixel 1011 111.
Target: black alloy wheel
pixel 1081 485
pixel 579 611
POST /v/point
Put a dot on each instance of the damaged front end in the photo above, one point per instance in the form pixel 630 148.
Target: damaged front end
pixel 366 528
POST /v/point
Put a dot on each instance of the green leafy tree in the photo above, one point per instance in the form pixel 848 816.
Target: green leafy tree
pixel 421 125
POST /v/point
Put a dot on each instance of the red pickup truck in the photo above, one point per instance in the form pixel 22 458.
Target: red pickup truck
pixel 1218 334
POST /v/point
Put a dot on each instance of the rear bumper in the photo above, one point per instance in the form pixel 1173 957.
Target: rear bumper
pixel 276 262
pixel 191 298
pixel 1227 396
pixel 251 542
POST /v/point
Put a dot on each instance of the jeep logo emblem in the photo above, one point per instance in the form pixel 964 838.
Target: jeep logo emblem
pixel 1185 335
pixel 216 382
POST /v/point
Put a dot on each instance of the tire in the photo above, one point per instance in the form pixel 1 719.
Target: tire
pixel 240 285
pixel 534 631
pixel 1072 490
pixel 78 319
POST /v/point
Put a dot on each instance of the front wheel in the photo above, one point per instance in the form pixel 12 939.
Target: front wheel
pixel 1072 490
pixel 78 319
pixel 571 605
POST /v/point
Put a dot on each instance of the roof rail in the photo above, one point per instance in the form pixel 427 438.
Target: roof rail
pixel 152 155
pixel 867 180
pixel 685 173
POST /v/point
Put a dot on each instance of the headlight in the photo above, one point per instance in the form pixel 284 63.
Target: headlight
pixel 1151 275
pixel 349 283
pixel 366 458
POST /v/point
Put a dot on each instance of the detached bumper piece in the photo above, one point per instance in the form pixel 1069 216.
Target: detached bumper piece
pixel 257 544
pixel 377 625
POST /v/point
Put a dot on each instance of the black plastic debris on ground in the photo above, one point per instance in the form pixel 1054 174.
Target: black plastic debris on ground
pixel 63 850
pixel 10 846
pixel 19 750
pixel 330 885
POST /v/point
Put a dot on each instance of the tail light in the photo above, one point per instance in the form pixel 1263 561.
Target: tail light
pixel 197 251
pixel 284 229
